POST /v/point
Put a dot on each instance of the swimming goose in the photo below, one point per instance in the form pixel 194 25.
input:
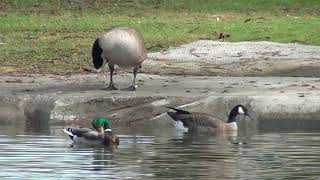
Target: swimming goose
pixel 120 46
pixel 194 120
pixel 101 136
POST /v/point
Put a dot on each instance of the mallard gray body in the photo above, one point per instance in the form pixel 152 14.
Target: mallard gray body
pixel 90 137
pixel 101 136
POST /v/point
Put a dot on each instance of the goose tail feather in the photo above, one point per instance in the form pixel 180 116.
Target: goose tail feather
pixel 179 110
pixel 172 115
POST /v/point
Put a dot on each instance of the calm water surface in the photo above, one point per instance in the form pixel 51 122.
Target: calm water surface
pixel 155 153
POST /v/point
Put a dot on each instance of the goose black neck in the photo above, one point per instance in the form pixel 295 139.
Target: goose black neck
pixel 96 54
pixel 233 115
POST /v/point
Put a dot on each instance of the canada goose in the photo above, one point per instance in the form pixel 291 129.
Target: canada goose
pixel 101 136
pixel 194 120
pixel 120 46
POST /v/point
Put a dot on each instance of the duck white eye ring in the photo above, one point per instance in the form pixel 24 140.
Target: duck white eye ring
pixel 240 110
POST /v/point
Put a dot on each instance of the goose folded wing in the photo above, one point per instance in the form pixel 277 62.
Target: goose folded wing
pixel 205 120
pixel 179 111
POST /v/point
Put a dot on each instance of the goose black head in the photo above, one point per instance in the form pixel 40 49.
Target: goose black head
pixel 242 110
pixel 97 60
pixel 237 110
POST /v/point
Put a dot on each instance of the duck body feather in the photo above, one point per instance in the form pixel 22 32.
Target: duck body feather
pixel 90 137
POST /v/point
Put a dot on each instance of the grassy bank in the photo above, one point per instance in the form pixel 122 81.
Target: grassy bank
pixel 56 36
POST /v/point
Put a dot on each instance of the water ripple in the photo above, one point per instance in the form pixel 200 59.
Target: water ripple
pixel 162 155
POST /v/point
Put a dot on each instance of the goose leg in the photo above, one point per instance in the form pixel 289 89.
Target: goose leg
pixel 111 85
pixel 133 86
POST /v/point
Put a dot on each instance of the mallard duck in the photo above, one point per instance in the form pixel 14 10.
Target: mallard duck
pixel 120 46
pixel 101 136
pixel 195 120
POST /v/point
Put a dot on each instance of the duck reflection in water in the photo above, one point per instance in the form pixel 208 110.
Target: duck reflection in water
pixel 102 157
pixel 37 121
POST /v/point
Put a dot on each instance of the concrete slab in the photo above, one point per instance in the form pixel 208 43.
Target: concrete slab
pixel 65 99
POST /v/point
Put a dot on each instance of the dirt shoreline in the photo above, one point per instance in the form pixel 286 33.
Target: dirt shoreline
pixel 53 99
pixel 61 99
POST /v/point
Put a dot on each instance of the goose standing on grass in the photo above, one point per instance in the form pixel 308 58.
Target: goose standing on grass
pixel 195 120
pixel 120 46
pixel 101 136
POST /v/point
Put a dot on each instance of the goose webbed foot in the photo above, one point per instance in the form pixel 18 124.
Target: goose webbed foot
pixel 111 87
pixel 131 88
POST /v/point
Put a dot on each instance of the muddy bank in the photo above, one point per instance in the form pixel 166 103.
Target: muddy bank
pixel 171 78
pixel 43 100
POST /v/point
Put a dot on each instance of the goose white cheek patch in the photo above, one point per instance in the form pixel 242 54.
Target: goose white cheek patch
pixel 240 110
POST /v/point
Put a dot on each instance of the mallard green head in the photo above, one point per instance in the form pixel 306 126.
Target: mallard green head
pixel 101 124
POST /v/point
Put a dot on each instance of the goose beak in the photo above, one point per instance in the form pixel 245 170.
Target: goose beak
pixel 92 66
pixel 103 64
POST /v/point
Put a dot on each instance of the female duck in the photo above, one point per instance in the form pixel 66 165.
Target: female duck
pixel 195 120
pixel 101 136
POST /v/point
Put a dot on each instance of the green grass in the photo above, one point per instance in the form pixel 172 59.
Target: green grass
pixel 53 36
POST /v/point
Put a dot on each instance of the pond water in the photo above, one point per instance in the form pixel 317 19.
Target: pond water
pixel 156 153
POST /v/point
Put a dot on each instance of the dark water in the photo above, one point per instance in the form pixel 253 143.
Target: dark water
pixel 156 153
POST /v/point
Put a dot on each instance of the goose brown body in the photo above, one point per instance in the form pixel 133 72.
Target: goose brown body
pixel 195 120
pixel 121 46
